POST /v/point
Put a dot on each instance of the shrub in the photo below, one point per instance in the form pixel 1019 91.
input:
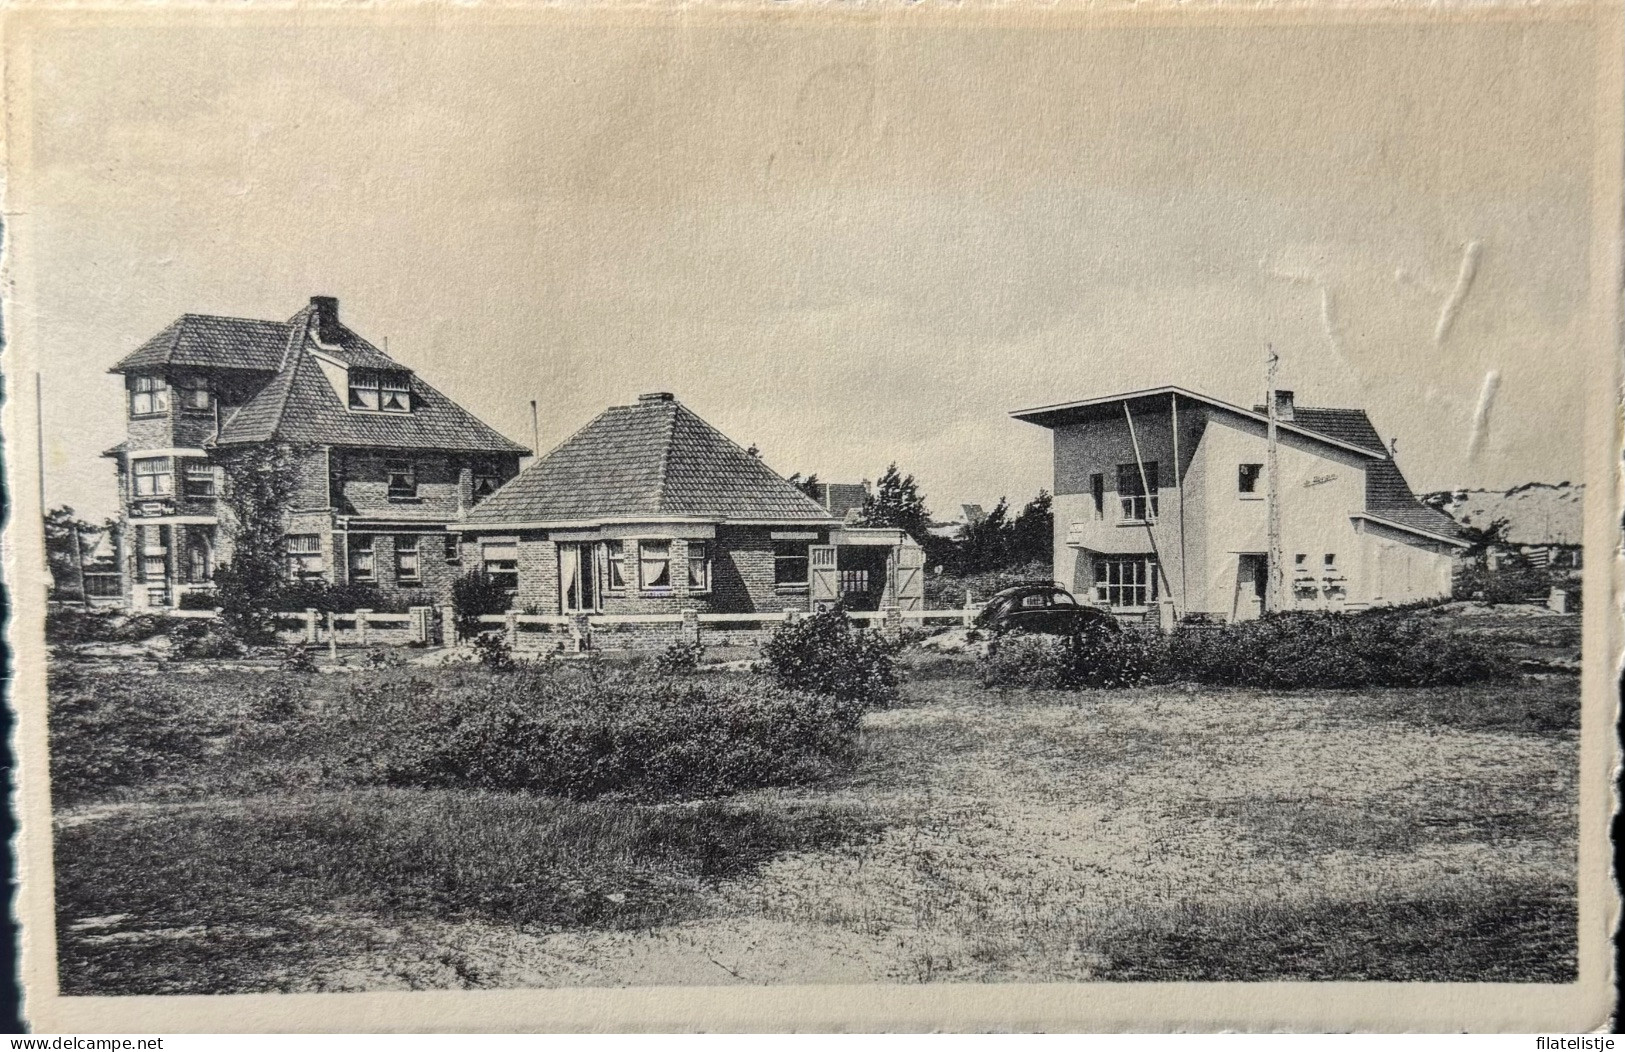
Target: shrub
pixel 202 639
pixel 679 659
pixel 473 596
pixel 825 653
pixel 1090 659
pixel 586 734
pixel 298 658
pixel 199 601
pixel 1381 648
pixel 494 651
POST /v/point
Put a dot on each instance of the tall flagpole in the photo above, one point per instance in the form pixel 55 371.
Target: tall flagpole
pixel 1275 581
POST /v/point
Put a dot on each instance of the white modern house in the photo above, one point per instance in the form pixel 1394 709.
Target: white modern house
pixel 1162 503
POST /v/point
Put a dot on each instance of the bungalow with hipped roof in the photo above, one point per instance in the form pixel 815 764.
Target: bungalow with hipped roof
pixel 648 509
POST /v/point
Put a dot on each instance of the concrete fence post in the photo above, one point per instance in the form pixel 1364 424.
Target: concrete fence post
pixel 448 626
pixel 420 623
pixel 790 615
pixel 361 626
pixel 968 618
pixel 1165 620
pixel 691 626
pixel 891 621
pixel 332 636
pixel 312 629
pixel 581 633
pixel 510 627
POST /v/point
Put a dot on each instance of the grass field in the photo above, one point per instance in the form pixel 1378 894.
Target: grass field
pixel 986 836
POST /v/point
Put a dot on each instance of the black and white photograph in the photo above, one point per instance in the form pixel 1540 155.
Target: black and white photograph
pixel 918 507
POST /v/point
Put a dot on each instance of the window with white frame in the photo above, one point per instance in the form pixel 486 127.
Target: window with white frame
pixel 303 552
pixel 699 566
pixel 407 568
pixel 500 561
pixel 1126 581
pixel 149 396
pixel 614 566
pixel 454 553
pixel 403 478
pixel 362 567
pixel 195 394
pixel 383 391
pixel 654 565
pixel 1138 505
pixel 199 478
pixel 790 564
pixel 154 476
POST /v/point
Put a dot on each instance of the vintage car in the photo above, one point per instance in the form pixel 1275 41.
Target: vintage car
pixel 1046 609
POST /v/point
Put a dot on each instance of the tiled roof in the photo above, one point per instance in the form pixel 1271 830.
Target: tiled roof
pixel 299 405
pixel 655 458
pixel 1387 494
pixel 212 342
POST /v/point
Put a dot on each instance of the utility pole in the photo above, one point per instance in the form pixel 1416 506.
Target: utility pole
pixel 1275 579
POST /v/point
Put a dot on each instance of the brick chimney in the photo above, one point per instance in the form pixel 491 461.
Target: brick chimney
pixel 1283 405
pixel 328 329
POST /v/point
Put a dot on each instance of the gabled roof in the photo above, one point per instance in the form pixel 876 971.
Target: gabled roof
pixel 1388 496
pixel 652 460
pixel 205 340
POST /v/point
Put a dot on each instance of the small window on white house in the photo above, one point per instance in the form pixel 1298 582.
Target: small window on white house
pixel 304 555
pixel 403 478
pixel 154 477
pixel 199 478
pixel 454 553
pixel 654 565
pixel 699 567
pixel 361 563
pixel 500 561
pixel 382 391
pixel 149 396
pixel 615 566
pixel 407 568
pixel 1247 477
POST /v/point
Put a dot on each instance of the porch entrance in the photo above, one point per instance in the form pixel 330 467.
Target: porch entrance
pixel 1252 581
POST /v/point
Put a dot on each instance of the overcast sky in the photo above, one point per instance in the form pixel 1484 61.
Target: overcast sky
pixel 848 245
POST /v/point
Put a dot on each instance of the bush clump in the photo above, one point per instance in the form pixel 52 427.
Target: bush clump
pixel 625 732
pixel 200 639
pixel 1285 651
pixel 475 595
pixel 1089 659
pixel 344 598
pixel 827 654
pixel 679 659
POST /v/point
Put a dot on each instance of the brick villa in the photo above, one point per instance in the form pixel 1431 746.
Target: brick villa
pixel 385 461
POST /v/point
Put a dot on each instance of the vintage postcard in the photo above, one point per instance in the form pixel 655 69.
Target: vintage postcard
pixel 901 517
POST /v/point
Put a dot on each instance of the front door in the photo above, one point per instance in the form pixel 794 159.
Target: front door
pixel 1252 580
pixel 578 592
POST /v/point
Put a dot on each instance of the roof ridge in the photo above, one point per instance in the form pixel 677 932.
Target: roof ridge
pixel 230 317
pixel 677 408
